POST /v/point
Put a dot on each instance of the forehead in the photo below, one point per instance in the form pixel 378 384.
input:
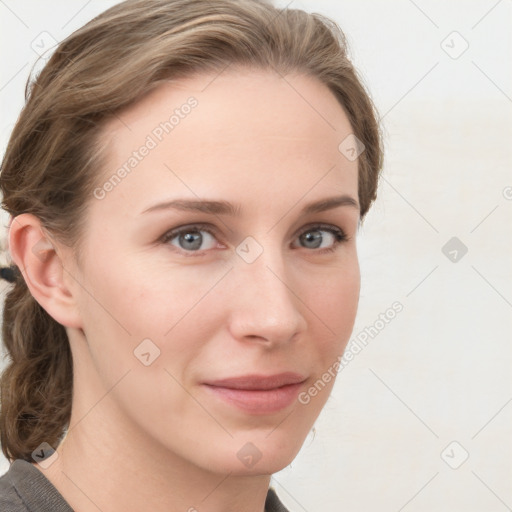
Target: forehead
pixel 254 130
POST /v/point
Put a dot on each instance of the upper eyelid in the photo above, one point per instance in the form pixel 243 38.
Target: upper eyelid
pixel 173 232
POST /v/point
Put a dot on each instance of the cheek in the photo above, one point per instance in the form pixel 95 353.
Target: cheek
pixel 131 305
pixel 139 302
pixel 141 337
pixel 333 307
pixel 344 303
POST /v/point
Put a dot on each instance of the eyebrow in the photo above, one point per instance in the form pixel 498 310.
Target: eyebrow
pixel 227 208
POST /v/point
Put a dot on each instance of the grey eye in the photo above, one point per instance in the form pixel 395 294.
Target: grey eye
pixel 314 238
pixel 192 239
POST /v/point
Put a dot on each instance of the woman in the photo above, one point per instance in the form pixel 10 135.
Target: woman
pixel 185 185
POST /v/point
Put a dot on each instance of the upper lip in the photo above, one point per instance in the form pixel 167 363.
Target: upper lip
pixel 258 382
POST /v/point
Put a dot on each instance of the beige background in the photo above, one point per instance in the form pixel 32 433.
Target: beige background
pixel 433 386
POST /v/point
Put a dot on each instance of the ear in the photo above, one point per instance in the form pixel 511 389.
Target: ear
pixel 41 264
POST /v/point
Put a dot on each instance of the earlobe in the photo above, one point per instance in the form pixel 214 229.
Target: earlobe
pixel 42 267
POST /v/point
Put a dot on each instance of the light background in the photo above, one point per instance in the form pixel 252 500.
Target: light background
pixel 440 371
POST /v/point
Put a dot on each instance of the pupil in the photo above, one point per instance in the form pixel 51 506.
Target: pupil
pixel 315 237
pixel 192 240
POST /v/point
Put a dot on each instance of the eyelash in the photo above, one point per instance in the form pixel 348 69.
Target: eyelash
pixel 338 234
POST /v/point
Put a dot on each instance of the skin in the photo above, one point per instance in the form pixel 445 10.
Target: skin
pixel 153 437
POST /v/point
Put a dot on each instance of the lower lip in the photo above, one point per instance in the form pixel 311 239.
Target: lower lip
pixel 259 401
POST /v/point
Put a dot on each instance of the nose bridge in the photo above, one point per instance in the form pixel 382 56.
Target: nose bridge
pixel 265 305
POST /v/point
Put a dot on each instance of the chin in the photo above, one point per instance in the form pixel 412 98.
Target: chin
pixel 259 454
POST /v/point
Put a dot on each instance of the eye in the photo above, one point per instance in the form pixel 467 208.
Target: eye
pixel 191 238
pixel 312 237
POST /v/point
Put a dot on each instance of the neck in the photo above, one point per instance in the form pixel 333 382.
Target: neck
pixel 106 463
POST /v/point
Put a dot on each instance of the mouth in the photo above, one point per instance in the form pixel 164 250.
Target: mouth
pixel 258 394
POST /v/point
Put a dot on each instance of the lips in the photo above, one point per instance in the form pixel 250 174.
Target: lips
pixel 258 394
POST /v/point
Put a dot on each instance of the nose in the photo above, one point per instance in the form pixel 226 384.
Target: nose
pixel 264 306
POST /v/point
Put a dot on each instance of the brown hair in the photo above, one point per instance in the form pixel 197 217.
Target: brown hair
pixel 54 153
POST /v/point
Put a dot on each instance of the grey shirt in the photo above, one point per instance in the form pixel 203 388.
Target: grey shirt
pixel 25 489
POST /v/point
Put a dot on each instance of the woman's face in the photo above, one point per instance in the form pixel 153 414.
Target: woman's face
pixel 213 293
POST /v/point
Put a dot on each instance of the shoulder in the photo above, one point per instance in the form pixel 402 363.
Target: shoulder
pixel 25 489
pixel 10 500
pixel 272 503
